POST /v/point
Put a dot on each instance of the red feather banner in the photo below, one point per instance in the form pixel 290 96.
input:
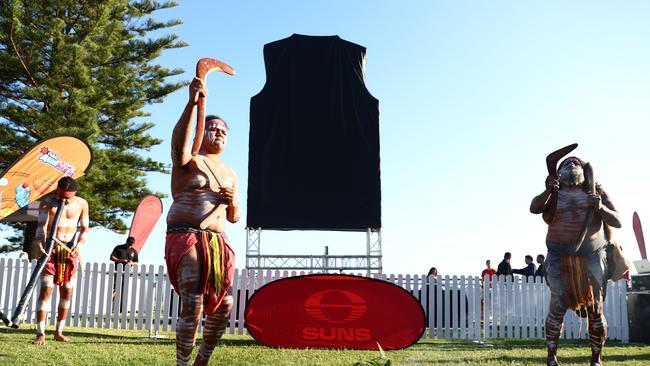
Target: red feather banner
pixel 638 232
pixel 144 220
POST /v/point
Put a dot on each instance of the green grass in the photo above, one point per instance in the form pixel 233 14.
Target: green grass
pixel 119 347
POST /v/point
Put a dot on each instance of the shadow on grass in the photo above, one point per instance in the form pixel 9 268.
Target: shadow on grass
pixel 573 359
pixel 90 337
pixel 126 338
pixel 536 360
pixel 240 342
pixel 448 346
pixel 522 345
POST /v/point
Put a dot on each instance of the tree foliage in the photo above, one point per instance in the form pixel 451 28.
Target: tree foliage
pixel 85 68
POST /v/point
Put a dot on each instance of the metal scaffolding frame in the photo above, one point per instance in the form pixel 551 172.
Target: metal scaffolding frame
pixel 371 262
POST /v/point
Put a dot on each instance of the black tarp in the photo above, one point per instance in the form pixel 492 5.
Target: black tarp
pixel 314 139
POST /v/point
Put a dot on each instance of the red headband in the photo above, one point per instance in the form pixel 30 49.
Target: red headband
pixel 65 194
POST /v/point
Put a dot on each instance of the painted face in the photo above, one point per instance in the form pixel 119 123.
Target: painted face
pixel 571 173
pixel 67 196
pixel 216 133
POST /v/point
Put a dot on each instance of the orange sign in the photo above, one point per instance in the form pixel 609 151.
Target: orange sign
pixel 37 172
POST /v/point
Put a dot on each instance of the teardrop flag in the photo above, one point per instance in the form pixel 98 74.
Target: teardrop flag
pixel 146 215
pixel 638 232
pixel 37 172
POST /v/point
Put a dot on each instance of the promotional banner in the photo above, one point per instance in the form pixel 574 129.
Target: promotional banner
pixel 334 311
pixel 144 219
pixel 638 232
pixel 37 172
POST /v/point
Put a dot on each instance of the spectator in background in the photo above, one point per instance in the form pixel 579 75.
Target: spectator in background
pixel 488 270
pixel 541 272
pixel 504 267
pixel 527 271
pixel 124 253
pixel 433 271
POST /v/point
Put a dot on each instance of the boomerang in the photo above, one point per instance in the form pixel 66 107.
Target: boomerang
pixel 203 68
pixel 551 165
pixel 553 158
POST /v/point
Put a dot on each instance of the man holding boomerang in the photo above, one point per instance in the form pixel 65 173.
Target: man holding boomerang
pixel 61 269
pixel 200 261
pixel 578 213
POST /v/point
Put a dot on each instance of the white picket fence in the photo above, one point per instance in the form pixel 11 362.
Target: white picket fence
pixel 455 307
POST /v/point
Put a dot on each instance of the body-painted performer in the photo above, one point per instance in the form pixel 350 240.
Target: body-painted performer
pixel 576 271
pixel 61 269
pixel 200 261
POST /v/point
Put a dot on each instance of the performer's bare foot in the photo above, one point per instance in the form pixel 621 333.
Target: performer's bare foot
pixel 552 361
pixel 200 361
pixel 60 337
pixel 40 339
pixel 596 360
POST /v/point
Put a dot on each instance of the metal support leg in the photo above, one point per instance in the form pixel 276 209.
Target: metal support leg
pixel 253 247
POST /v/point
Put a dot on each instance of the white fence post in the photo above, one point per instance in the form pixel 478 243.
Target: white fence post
pixel 7 292
pixel 242 300
pixel 3 293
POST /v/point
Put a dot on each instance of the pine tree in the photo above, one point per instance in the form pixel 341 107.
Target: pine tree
pixel 85 68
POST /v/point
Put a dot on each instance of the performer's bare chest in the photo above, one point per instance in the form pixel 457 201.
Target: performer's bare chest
pixel 572 206
pixel 197 179
pixel 71 211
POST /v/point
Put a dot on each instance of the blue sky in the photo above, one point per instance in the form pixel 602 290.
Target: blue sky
pixel 472 95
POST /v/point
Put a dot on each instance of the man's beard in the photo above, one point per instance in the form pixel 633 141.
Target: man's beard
pixel 572 177
pixel 214 140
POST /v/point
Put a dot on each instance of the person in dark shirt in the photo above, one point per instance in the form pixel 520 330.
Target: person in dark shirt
pixel 504 267
pixel 541 272
pixel 125 253
pixel 529 270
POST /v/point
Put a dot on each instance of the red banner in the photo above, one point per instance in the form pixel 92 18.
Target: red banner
pixel 144 220
pixel 37 172
pixel 638 232
pixel 334 311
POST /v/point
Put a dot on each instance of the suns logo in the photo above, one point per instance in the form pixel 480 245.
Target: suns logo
pixel 336 308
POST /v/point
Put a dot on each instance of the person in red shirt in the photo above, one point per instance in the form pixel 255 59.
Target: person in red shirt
pixel 488 270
